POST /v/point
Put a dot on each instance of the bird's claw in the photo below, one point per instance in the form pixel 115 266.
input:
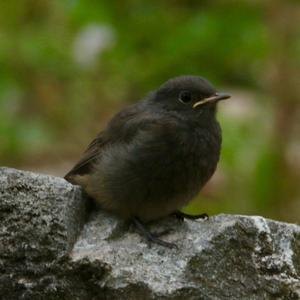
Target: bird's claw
pixel 153 237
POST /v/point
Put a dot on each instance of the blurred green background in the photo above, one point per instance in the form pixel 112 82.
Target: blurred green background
pixel 66 66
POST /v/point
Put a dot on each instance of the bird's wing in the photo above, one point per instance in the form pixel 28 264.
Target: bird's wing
pixel 89 156
pixel 122 127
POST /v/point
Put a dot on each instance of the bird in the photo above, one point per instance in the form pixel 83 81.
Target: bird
pixel 154 156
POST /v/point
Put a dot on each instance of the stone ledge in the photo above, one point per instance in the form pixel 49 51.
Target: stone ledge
pixel 226 257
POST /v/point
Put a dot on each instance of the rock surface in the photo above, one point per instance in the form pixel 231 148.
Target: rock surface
pixel 226 257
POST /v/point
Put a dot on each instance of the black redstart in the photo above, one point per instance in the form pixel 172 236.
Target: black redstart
pixel 156 155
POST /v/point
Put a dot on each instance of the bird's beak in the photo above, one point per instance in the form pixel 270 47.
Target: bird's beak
pixel 213 99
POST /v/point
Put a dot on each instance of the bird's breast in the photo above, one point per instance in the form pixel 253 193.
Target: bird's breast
pixel 199 155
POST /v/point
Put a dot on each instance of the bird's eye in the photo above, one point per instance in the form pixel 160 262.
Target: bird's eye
pixel 185 97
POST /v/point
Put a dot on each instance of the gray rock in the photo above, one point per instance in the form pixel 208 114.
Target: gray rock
pixel 41 217
pixel 226 257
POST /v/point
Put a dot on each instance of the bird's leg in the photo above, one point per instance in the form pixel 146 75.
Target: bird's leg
pixel 151 237
pixel 181 216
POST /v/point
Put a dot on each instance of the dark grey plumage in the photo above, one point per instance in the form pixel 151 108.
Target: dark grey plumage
pixel 154 156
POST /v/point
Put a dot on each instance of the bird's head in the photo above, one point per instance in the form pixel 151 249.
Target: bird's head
pixel 188 94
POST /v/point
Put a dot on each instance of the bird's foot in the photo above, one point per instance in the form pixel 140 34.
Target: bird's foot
pixel 153 237
pixel 181 216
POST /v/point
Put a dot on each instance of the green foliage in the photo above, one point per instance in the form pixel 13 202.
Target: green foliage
pixel 47 96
